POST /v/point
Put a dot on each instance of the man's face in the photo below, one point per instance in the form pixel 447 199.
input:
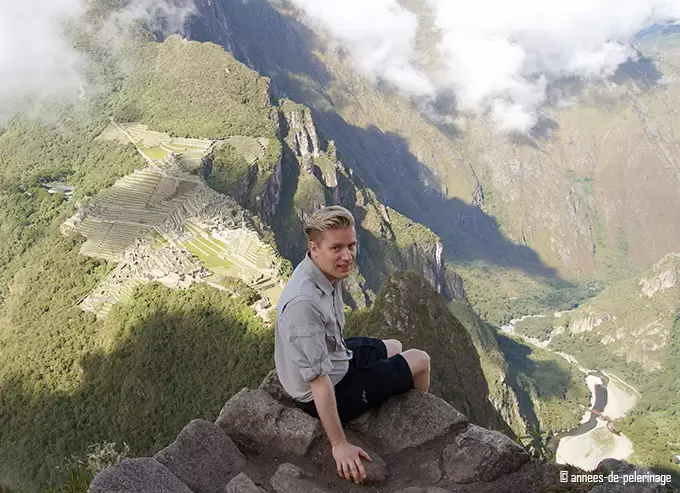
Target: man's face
pixel 334 253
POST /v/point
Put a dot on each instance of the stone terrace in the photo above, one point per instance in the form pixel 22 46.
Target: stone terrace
pixel 250 148
pixel 115 218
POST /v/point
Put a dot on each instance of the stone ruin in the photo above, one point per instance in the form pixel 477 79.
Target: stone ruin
pixel 171 264
pixel 419 443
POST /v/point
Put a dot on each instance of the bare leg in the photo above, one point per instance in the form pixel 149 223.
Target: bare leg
pixel 393 347
pixel 419 362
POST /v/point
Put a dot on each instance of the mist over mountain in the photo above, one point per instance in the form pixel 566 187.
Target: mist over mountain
pixel 497 58
pixel 41 60
pixel 158 158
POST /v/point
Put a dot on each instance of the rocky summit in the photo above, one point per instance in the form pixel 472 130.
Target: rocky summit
pixel 418 444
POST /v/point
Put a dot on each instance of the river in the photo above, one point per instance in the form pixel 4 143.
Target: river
pixel 591 441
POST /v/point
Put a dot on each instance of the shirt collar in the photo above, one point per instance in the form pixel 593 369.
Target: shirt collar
pixel 319 277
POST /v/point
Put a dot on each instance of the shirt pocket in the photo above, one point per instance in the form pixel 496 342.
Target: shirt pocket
pixel 333 335
pixel 333 342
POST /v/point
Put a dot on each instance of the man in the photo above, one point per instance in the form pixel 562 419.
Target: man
pixel 331 378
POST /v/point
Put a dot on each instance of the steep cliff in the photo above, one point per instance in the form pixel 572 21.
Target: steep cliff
pixel 417 442
pixel 303 172
pixel 503 389
pixel 409 310
pixel 576 190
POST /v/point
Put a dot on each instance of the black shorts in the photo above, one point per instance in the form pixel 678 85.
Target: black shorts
pixel 372 377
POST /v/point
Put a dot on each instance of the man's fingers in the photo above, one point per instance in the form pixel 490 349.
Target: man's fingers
pixel 355 472
pixel 345 472
pixel 360 467
pixel 349 473
pixel 363 454
pixel 338 464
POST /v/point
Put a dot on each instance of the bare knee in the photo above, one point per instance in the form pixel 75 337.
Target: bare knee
pixel 393 347
pixel 418 361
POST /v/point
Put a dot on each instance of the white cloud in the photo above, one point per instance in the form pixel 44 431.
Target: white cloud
pixel 498 56
pixel 163 16
pixel 379 34
pixel 36 60
pixel 37 57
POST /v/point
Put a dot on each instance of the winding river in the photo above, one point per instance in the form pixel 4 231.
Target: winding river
pixel 591 441
pixel 590 419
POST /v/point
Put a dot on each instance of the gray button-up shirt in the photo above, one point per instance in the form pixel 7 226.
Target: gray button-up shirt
pixel 310 319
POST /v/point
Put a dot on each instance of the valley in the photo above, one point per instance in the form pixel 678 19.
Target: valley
pixel 148 230
pixel 596 437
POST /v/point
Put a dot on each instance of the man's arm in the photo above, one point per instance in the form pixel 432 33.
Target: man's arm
pixel 347 456
pixel 324 398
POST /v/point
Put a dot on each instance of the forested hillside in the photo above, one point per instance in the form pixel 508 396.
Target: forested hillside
pixel 428 197
pixel 69 380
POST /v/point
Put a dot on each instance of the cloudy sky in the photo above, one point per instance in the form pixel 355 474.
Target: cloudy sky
pixel 497 56
pixel 37 59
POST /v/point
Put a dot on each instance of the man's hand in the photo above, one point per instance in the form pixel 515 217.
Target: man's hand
pixel 347 456
pixel 348 461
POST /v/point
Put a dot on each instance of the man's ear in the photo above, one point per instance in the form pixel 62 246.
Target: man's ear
pixel 314 245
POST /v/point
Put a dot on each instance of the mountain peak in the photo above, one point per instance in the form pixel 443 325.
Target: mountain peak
pixel 418 444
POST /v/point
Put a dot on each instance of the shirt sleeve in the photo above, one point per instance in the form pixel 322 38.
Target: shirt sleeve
pixel 305 331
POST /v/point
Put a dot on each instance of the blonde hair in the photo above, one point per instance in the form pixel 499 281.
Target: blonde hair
pixel 327 218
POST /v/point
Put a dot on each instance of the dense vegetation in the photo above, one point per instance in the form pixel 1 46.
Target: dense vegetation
pixel 555 387
pixel 587 349
pixel 191 89
pixel 541 328
pixel 33 153
pixel 407 308
pixel 408 233
pixel 64 374
pixel 229 170
pixel 73 381
pixel 521 294
pixel 67 380
pixel 654 424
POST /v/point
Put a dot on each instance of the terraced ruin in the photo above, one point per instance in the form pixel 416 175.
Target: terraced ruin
pixel 115 218
pixel 160 148
pixel 250 148
pixel 164 224
pixel 175 230
pixel 142 264
pixel 235 253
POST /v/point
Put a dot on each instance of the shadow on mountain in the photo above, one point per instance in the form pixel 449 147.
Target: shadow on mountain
pixel 174 356
pixel 260 37
pixel 523 371
pixel 174 365
pixel 642 72
pixel 283 49
pixel 544 128
pixel 440 111
pixel 286 222
pixel 384 163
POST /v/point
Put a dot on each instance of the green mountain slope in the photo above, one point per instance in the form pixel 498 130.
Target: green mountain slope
pixel 533 223
pixel 68 379
pixel 421 194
